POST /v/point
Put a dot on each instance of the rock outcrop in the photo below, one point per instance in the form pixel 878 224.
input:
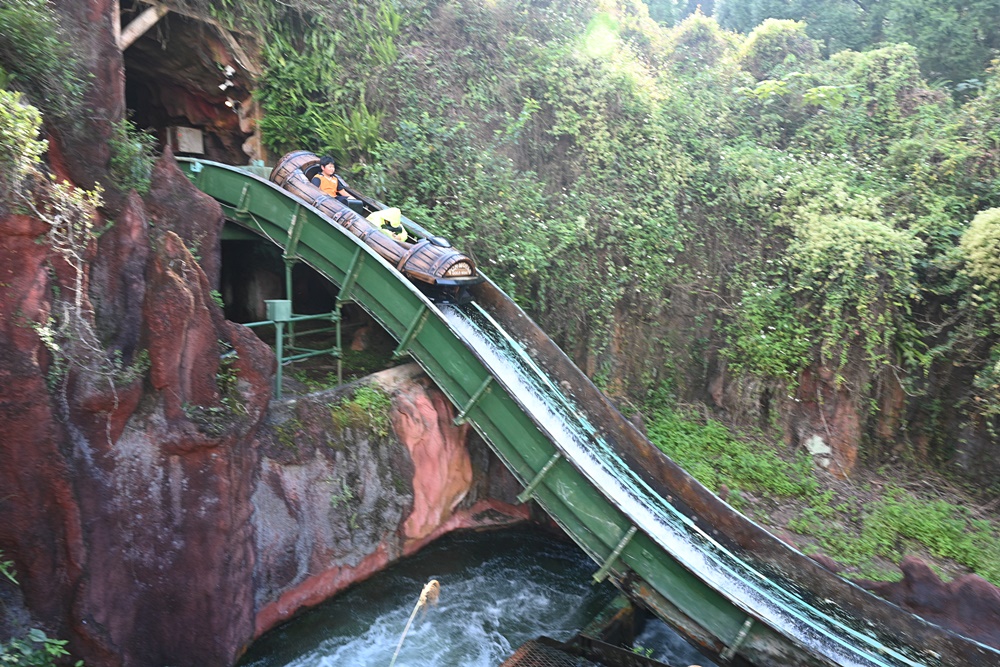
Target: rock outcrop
pixel 342 494
pixel 127 445
pixel 968 605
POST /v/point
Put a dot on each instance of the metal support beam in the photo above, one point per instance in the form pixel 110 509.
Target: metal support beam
pixel 411 331
pixel 138 26
pixel 476 395
pixel 339 346
pixel 289 265
pixel 279 353
pixel 730 651
pixel 243 206
pixel 602 574
pixel 294 232
pixel 529 490
pixel 350 276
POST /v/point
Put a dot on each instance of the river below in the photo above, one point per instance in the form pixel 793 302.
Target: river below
pixel 498 590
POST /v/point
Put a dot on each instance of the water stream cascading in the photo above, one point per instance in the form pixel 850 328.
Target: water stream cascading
pixel 596 459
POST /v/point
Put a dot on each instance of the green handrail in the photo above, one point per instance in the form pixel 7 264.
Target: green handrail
pixel 634 560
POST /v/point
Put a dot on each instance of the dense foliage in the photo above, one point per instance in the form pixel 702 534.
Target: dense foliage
pixel 36 58
pixel 955 40
pixel 866 531
pixel 682 196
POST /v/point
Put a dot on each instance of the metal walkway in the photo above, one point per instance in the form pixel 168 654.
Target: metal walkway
pixel 656 532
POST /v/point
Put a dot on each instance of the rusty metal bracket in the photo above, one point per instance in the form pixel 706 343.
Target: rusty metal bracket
pixel 476 395
pixel 529 490
pixel 602 573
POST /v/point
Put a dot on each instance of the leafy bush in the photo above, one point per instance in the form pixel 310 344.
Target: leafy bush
pixel 34 650
pixel 299 89
pixel 981 246
pixel 767 335
pixel 860 271
pixel 39 61
pixel 132 155
pixel 775 47
pixel 698 42
pixel 20 148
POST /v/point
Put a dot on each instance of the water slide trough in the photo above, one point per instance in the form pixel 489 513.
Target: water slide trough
pixel 657 533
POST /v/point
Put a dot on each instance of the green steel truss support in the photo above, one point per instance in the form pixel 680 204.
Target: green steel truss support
pixel 706 612
pixel 280 316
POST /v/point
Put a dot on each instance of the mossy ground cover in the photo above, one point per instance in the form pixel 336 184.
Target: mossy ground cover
pixel 867 523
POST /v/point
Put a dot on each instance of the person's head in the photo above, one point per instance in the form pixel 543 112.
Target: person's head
pixel 327 165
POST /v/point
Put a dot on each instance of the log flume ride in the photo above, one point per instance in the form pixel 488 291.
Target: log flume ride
pixel 659 535
pixel 438 269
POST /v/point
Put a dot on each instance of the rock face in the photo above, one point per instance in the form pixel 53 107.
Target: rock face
pixel 139 503
pixel 126 492
pixel 342 494
pixel 969 604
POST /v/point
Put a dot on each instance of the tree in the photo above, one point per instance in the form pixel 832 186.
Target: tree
pixel 955 41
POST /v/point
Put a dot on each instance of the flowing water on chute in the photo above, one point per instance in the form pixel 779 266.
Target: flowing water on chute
pixel 823 630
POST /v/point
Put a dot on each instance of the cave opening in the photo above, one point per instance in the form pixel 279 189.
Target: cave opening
pixel 189 82
pixel 185 85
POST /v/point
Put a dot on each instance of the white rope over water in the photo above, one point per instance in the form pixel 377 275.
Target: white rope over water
pixel 428 596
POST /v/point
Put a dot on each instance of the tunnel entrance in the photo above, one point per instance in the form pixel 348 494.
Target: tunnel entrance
pixel 188 82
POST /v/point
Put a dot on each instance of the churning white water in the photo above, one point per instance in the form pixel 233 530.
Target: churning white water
pixel 498 590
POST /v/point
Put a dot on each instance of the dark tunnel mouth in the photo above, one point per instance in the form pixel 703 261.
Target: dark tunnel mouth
pixel 174 74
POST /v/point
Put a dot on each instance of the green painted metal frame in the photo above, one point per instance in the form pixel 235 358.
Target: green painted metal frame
pixel 629 556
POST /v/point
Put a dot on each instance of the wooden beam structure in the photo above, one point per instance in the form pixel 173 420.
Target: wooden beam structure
pixel 160 9
pixel 141 24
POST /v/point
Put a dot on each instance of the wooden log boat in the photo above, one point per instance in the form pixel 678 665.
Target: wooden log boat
pixel 438 269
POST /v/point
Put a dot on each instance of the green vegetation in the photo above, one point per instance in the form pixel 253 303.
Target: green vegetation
pixel 287 431
pixel 896 523
pixel 795 205
pixel 38 60
pixel 7 569
pixel 955 40
pixel 981 245
pixel 860 530
pixel 36 649
pixel 20 149
pixel 367 408
pixel 343 497
pixel 132 157
pixel 715 457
